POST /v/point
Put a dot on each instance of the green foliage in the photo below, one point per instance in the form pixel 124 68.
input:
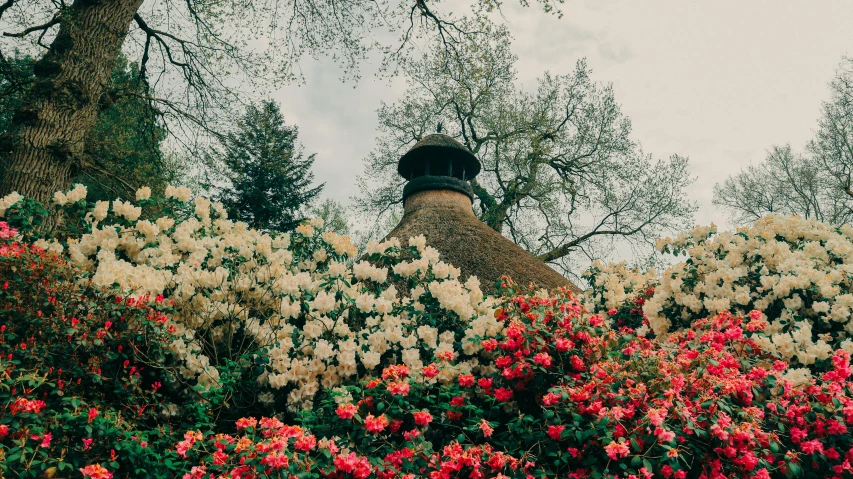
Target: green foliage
pixel 82 375
pixel 269 179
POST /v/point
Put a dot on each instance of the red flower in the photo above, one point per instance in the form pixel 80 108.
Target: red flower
pixel 503 394
pixel 422 418
pixel 93 413
pixel 466 380
pixel 246 422
pixel 554 432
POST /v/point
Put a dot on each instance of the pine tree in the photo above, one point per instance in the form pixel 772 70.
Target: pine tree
pixel 269 179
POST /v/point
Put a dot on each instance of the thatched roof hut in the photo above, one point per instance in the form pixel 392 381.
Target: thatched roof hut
pixel 438 204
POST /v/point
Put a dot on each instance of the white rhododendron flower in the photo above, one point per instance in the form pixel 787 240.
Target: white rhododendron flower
pixel 301 305
pixel 797 271
pixel 143 193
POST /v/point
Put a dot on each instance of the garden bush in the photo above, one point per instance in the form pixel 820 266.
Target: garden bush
pixel 161 339
pixel 798 272
pixel 79 373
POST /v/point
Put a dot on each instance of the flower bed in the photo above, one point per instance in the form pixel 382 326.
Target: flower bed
pixel 188 344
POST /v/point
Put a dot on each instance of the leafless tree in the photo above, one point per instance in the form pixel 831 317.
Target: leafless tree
pixel 814 184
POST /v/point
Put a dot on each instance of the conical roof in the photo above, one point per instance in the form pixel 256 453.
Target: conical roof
pixel 446 220
pixel 441 211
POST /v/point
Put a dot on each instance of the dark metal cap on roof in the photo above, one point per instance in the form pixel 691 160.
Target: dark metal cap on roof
pixel 438 155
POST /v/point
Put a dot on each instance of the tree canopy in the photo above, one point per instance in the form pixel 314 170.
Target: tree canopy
pixel 198 57
pixel 561 175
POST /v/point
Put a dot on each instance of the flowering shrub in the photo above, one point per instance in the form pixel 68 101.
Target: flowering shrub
pixel 388 365
pixel 565 396
pixel 269 448
pixel 797 271
pixel 76 385
pixel 282 315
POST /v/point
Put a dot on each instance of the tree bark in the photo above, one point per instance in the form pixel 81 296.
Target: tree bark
pixel 41 151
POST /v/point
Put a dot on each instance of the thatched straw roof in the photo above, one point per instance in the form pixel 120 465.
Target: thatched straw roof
pixel 447 221
pixel 437 202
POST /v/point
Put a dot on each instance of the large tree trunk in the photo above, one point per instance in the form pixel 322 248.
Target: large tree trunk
pixel 41 151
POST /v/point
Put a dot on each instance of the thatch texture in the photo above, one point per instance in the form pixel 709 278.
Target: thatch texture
pixel 447 221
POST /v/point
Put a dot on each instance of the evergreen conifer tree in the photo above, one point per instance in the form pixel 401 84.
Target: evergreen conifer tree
pixel 269 179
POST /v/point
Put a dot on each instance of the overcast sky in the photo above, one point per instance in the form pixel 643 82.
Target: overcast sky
pixel 719 82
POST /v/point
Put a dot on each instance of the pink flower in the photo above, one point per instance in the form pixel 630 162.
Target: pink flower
pixel 543 359
pixel 656 416
pixel 306 443
pixel 486 428
pixel 617 450
pixel 87 443
pixel 359 467
pixel 596 320
pixel 197 472
pixel 663 435
pixel 550 399
pixel 466 380
pixel 400 388
pixel 246 422
pixel 564 345
pixel 422 418
pixel 346 411
pixel 276 460
pixel 96 471
pixel 761 474
pixel 45 440
pixel 812 447
pixel 375 424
